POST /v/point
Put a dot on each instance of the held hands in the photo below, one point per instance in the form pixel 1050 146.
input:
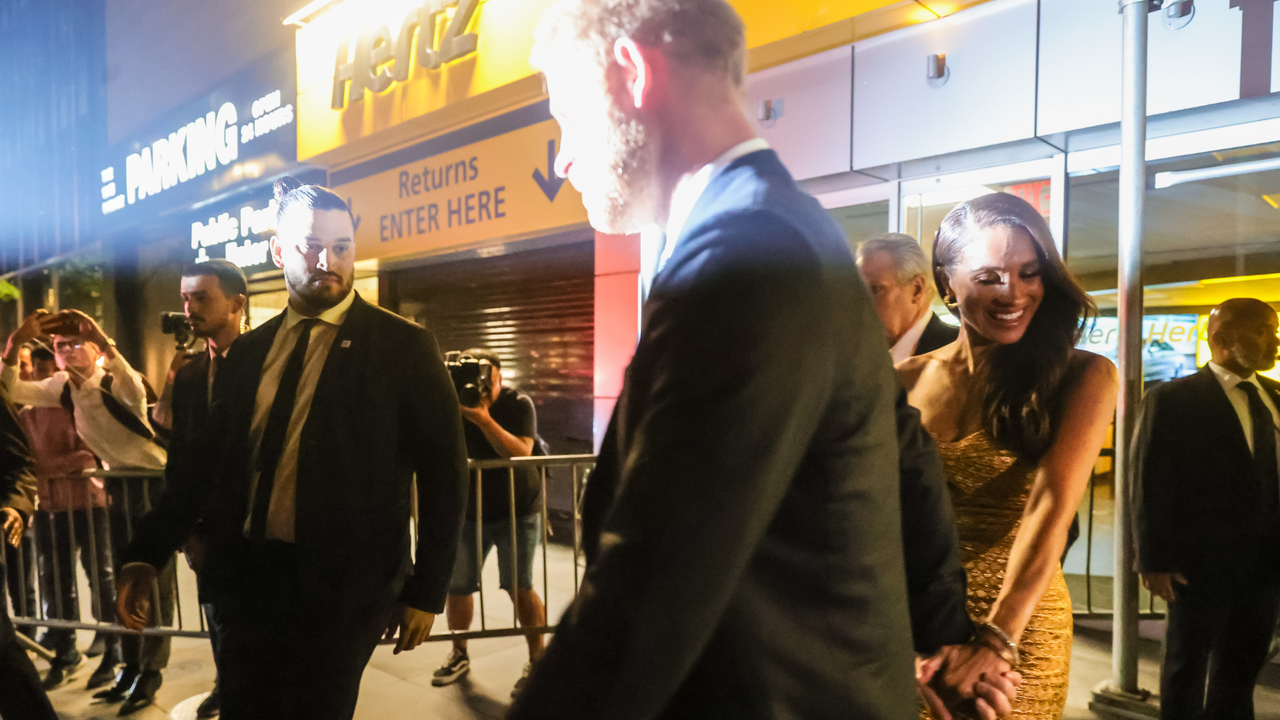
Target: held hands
pixel 133 595
pixel 967 676
pixel 1162 585
pixel 12 526
pixel 413 625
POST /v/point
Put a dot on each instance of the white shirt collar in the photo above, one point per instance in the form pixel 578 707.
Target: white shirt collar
pixel 906 345
pixel 690 189
pixel 1228 379
pixel 333 316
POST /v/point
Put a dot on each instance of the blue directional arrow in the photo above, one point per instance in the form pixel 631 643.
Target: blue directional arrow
pixel 550 183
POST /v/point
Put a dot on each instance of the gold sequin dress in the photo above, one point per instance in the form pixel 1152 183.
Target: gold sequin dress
pixel 989 489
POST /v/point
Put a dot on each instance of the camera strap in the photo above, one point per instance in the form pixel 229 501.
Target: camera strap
pixel 132 422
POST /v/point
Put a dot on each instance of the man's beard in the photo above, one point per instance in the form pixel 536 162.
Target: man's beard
pixel 320 296
pixel 626 198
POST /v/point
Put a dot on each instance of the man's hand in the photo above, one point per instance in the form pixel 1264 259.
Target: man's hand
pixel 133 595
pixel 1162 584
pixel 82 325
pixel 180 359
pixel 413 626
pixel 478 415
pixel 30 329
pixel 967 675
pixel 12 525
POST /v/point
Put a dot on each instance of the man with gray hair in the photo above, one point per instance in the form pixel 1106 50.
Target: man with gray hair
pixel 897 274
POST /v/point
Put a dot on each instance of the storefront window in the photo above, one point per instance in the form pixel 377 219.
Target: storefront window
pixel 1212 227
pixel 860 222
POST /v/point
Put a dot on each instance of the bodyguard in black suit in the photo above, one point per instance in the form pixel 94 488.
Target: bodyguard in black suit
pixel 1207 516
pixel 743 524
pixel 321 419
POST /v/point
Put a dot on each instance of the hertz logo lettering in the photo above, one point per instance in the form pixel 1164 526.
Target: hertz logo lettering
pixel 375 49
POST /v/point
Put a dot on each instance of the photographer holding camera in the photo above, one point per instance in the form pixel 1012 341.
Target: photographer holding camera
pixel 214 294
pixel 501 424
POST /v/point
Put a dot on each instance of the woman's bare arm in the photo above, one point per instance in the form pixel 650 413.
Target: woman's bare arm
pixel 1061 478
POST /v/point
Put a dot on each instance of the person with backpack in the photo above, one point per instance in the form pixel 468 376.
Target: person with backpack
pixel 107 400
pixel 501 425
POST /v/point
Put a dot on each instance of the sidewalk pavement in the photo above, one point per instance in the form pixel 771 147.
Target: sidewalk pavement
pixel 399 687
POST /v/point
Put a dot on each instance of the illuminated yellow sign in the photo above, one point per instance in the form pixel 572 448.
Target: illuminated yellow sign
pixel 420 30
pixel 364 66
pixel 502 187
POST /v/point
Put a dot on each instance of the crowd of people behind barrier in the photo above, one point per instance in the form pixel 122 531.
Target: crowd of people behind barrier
pixel 782 521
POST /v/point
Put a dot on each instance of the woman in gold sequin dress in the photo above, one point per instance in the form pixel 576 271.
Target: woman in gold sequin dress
pixel 1019 416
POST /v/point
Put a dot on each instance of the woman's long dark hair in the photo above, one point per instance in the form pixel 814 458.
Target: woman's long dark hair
pixel 1022 381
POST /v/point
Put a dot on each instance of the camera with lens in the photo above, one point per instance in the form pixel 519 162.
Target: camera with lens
pixel 177 325
pixel 472 377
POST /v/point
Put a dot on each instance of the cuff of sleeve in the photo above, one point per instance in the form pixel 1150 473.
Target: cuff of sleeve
pixel 415 598
pixel 117 364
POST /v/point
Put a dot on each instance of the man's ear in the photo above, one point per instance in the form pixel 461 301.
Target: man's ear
pixel 919 288
pixel 277 251
pixel 643 72
pixel 238 301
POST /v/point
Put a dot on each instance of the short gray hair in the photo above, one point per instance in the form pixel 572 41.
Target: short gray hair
pixel 907 255
pixel 706 34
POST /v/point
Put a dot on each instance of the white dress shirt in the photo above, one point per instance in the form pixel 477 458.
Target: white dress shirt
pixel 280 513
pixel 691 188
pixel 1240 400
pixel 115 445
pixel 906 345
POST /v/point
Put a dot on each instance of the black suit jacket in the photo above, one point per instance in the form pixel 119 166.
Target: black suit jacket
pixel 936 334
pixel 744 516
pixel 1197 502
pixel 384 410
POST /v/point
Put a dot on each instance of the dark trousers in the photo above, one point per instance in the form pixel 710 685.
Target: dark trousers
pixel 21 695
pixel 1219 631
pixel 149 652
pixel 211 624
pixel 284 656
pixel 63 539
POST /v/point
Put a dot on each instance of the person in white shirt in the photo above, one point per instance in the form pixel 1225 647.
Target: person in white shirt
pixel 108 401
pixel 897 274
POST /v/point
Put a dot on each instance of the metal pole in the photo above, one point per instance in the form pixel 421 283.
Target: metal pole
pixel 1133 187
pixel 1123 689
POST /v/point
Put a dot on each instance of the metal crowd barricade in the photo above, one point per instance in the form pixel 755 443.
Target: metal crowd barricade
pixel 36 573
pixel 568 472
pixel 105 504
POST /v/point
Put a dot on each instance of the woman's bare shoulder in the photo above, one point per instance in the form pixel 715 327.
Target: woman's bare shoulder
pixel 910 370
pixel 1091 374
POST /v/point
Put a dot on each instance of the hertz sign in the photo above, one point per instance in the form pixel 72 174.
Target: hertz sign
pixel 380 59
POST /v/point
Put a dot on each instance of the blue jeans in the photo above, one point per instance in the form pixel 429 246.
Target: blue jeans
pixel 466 569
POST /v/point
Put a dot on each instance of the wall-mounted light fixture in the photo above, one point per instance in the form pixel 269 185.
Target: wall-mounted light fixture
pixel 1178 13
pixel 770 112
pixel 936 70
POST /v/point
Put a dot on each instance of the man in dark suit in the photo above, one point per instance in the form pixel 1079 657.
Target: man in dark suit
pixel 321 419
pixel 213 297
pixel 897 274
pixel 743 522
pixel 1207 516
pixel 21 692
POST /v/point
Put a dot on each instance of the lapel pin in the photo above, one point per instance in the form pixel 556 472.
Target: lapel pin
pixel 346 343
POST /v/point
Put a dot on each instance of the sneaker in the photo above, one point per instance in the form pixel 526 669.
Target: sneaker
pixel 524 678
pixel 454 668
